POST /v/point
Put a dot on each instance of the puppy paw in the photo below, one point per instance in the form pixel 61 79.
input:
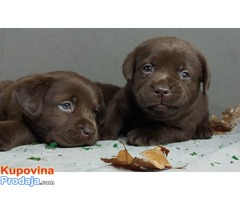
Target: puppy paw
pixel 203 132
pixel 5 146
pixel 142 138
pixel 5 141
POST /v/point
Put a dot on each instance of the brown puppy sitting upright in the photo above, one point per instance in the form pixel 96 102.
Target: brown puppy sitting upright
pixel 162 101
pixel 61 106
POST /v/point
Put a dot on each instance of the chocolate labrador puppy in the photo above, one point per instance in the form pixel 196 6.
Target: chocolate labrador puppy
pixel 162 101
pixel 61 107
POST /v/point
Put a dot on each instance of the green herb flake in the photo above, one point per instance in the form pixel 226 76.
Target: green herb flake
pixel 87 148
pixel 178 148
pixel 98 145
pixel 115 145
pixel 52 145
pixel 34 158
pixel 193 154
pixel 217 163
pixel 235 157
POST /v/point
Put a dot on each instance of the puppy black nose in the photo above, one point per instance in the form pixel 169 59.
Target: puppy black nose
pixel 162 91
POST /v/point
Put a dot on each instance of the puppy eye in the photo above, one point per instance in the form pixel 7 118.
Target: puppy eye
pixel 148 69
pixel 96 113
pixel 184 75
pixel 66 106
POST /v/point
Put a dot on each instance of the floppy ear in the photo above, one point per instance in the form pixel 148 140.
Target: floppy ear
pixel 128 66
pixel 206 75
pixel 28 95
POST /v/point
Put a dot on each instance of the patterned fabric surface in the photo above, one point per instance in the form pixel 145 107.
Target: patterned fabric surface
pixel 220 153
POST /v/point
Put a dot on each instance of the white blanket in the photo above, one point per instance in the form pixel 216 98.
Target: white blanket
pixel 220 153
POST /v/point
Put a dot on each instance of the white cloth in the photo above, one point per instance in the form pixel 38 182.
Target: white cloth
pixel 220 153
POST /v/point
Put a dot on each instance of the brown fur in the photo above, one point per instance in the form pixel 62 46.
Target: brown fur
pixel 108 91
pixel 162 101
pixel 61 107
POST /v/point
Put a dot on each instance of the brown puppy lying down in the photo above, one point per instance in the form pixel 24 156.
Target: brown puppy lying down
pixel 61 106
pixel 162 101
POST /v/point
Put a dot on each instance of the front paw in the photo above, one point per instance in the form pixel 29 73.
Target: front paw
pixel 140 137
pixel 203 132
pixel 5 146
pixel 5 141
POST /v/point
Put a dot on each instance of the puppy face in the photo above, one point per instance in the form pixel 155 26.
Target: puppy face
pixel 62 107
pixel 166 75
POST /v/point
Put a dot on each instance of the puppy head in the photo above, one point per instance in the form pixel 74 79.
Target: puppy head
pixel 165 74
pixel 61 106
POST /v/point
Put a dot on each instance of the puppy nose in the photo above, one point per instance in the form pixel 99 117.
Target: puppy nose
pixel 162 91
pixel 88 130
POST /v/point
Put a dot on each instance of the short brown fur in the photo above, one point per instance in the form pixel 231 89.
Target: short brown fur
pixel 162 101
pixel 60 106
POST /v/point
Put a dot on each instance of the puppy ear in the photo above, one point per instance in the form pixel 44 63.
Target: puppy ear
pixel 128 66
pixel 206 75
pixel 28 95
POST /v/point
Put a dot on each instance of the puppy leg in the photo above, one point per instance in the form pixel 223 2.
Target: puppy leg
pixel 110 129
pixel 14 133
pixel 151 136
pixel 204 130
pixel 112 124
pixel 116 110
